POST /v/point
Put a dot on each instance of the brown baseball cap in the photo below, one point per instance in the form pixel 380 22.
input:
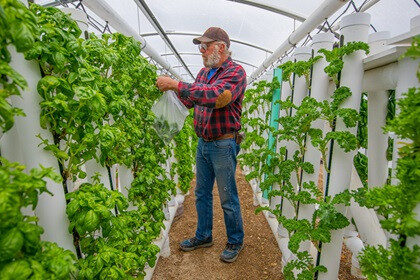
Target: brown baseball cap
pixel 213 34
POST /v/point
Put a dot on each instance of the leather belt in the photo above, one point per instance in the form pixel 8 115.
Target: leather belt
pixel 224 136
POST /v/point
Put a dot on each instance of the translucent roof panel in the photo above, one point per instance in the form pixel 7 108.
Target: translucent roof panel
pixel 251 25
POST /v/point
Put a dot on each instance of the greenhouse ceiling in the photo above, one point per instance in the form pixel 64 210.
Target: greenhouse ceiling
pixel 256 28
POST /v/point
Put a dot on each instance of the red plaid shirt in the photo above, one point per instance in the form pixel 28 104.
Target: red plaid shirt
pixel 209 122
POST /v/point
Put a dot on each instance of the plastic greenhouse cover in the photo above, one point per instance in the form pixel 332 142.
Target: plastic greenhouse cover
pixel 245 23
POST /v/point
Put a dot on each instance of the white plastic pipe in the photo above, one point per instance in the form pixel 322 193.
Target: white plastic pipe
pixel 324 10
pixel 51 210
pixel 366 220
pixel 354 27
pixel 319 91
pixel 377 110
pixel 377 139
pixel 107 13
pixel 381 78
pixel 286 92
pixel 407 69
pixel 301 90
pixel 355 245
pixel 378 42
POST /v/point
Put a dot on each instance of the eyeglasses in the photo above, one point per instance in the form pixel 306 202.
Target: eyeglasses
pixel 204 46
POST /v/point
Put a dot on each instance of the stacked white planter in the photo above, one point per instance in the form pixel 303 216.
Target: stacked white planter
pixel 353 27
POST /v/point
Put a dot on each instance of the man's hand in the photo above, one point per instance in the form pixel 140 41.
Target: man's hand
pixel 165 83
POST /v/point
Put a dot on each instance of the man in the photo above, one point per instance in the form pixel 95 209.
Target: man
pixel 216 96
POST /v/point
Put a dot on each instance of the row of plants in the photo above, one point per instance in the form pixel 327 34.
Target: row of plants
pixel 23 254
pixel 288 167
pixel 396 204
pixel 97 95
pixel 184 152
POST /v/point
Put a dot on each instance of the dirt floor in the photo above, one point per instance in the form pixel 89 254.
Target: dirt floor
pixel 260 258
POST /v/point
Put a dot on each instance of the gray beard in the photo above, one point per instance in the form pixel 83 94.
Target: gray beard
pixel 213 59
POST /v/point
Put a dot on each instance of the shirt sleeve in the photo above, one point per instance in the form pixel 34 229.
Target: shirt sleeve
pixel 226 89
pixel 188 103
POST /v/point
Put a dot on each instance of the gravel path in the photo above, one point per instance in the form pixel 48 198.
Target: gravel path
pixel 260 258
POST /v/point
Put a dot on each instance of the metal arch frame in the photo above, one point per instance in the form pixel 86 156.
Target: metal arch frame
pixel 283 12
pixel 190 65
pixel 192 53
pixel 199 34
pixel 276 10
pixel 142 5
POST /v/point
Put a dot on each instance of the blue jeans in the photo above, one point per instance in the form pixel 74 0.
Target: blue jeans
pixel 217 160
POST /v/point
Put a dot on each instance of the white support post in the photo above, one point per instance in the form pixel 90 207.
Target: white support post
pixel 319 91
pixel 407 69
pixel 354 27
pixel 377 109
pixel 407 78
pixel 300 92
pixel 286 92
pixel 51 210
pixel 366 220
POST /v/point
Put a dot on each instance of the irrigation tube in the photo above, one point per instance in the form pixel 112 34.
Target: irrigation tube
pixel 107 13
pixel 325 10
pixel 354 27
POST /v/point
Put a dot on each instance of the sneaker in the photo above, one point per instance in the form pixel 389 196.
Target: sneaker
pixel 193 243
pixel 231 252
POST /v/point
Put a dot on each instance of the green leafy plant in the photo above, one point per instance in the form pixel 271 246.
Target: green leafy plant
pixel 17 28
pixel 115 246
pixel 335 57
pixel 287 167
pixel 185 154
pixel 396 203
pixel 299 68
pixel 97 95
pixel 24 255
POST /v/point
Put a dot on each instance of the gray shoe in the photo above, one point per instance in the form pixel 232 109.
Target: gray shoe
pixel 231 252
pixel 193 243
